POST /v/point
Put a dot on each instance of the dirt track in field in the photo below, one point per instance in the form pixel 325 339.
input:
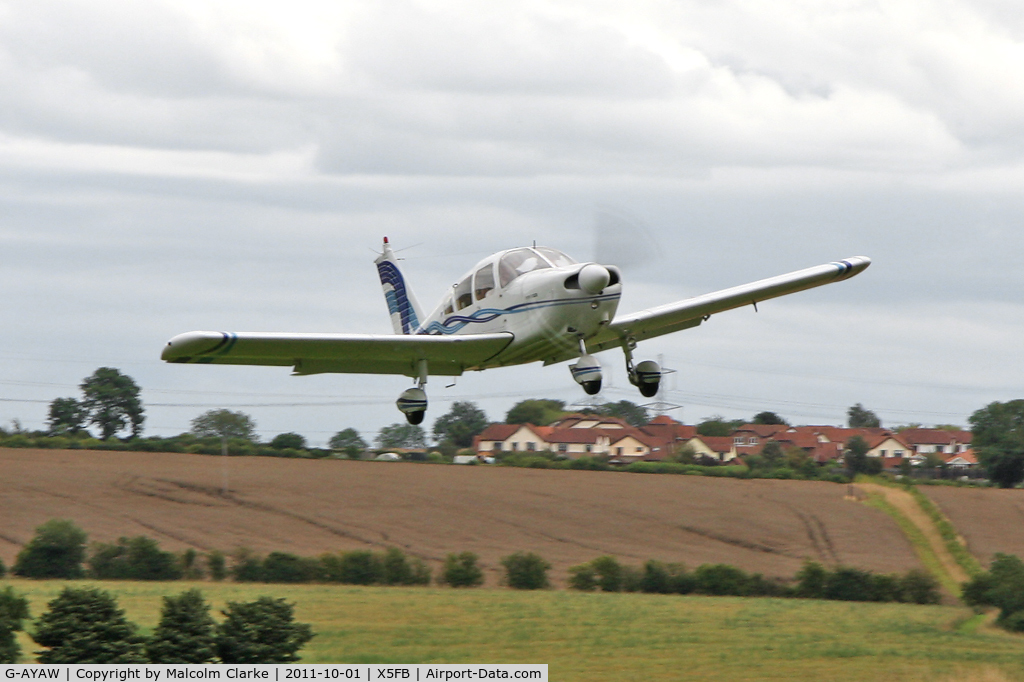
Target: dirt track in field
pixel 989 520
pixel 314 506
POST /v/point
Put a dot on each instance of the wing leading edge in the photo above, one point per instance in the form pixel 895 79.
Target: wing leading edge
pixel 345 353
pixel 690 312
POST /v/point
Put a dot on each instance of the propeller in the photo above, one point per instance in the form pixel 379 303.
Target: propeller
pixel 623 239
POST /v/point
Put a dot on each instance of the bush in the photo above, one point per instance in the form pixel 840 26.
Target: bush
pixel 919 587
pixel 261 631
pixel 246 566
pixel 846 583
pixel 526 571
pixel 607 573
pixel 396 569
pixel 56 551
pixel 13 612
pixel 583 577
pixel 84 625
pixel 460 570
pixel 288 441
pixel 216 563
pixel 810 581
pixel 185 633
pixel 281 567
pixel 190 567
pixel 138 558
pixel 720 579
pixel 1002 586
pixel 359 567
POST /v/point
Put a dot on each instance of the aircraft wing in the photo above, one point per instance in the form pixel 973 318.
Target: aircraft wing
pixel 346 353
pixel 691 312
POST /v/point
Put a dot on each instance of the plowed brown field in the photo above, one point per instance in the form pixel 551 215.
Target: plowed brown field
pixel 989 520
pixel 313 506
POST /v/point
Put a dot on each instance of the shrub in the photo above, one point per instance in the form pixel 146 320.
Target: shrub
pixel 583 577
pixel 282 567
pixel 655 578
pixel 720 579
pixel 607 573
pixel 138 558
pixel 13 612
pixel 3 568
pixel 288 441
pixel 246 566
pixel 217 565
pixel 262 631
pixel 526 571
pixel 810 581
pixel 396 569
pixel 56 551
pixel 759 586
pixel 846 583
pixel 359 567
pixel 919 587
pixel 84 625
pixel 185 633
pixel 460 570
pixel 190 567
pixel 632 578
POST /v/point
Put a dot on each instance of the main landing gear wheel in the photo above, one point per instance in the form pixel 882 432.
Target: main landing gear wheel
pixel 587 373
pixel 413 404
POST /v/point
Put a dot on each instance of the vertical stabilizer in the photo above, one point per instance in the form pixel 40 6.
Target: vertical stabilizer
pixel 405 312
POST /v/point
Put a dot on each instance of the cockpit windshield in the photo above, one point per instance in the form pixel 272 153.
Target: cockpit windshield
pixel 518 262
pixel 554 256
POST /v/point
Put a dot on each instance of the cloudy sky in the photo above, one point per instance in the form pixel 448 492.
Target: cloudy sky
pixel 169 166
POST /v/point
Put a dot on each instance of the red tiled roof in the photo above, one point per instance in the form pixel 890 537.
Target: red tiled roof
pixel 500 431
pixel 935 436
pixel 762 430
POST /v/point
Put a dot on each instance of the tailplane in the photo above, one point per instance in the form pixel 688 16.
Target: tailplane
pixel 405 312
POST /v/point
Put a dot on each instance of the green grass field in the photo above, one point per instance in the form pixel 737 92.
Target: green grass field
pixel 594 636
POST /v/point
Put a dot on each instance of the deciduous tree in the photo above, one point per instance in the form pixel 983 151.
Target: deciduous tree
pixel 998 430
pixel 112 402
pixel 67 416
pixel 769 418
pixel 56 551
pixel 859 417
pixel 224 424
pixel 401 436
pixel 348 441
pixel 463 421
pixel 536 412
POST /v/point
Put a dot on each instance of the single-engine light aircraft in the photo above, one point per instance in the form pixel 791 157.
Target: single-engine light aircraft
pixel 529 304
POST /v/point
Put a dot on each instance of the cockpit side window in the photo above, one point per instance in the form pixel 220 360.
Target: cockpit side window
pixel 463 294
pixel 483 281
pixel 557 258
pixel 448 309
pixel 518 262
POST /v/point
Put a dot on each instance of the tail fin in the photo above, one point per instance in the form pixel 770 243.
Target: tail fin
pixel 405 312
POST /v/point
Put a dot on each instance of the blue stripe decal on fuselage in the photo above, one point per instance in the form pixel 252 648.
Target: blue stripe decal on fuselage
pixel 455 323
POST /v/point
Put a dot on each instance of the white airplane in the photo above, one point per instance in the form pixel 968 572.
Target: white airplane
pixel 530 304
